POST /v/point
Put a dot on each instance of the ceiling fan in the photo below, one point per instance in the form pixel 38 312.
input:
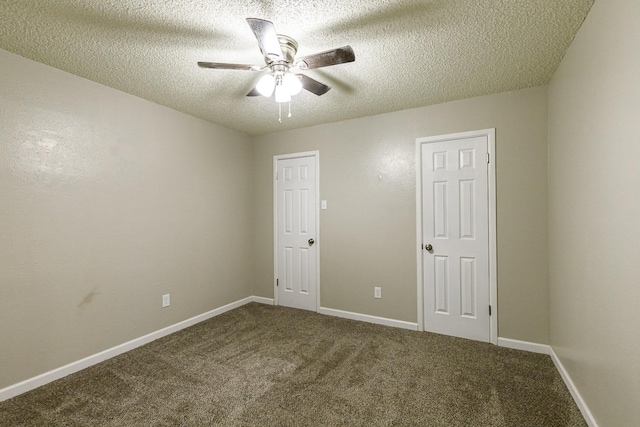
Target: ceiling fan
pixel 284 76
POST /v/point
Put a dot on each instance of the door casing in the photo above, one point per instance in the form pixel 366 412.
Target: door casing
pixel 491 190
pixel 316 156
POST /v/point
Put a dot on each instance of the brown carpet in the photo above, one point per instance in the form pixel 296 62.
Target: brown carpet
pixel 261 365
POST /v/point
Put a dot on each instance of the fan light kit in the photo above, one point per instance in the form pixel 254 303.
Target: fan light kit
pixel 285 86
pixel 283 79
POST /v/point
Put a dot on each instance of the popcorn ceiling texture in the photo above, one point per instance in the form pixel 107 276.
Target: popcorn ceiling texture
pixel 408 53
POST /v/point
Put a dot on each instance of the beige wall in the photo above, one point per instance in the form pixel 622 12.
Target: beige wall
pixel 368 234
pixel 594 211
pixel 107 202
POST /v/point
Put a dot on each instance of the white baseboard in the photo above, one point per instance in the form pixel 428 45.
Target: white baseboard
pixel 370 319
pixel 582 405
pixel 524 345
pixel 262 300
pixel 63 371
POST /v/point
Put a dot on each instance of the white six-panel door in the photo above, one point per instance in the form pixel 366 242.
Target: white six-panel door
pixel 296 239
pixel 455 237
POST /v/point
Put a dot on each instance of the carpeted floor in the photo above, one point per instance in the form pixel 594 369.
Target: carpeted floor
pixel 261 365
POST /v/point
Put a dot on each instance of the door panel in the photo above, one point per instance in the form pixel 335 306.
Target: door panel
pixel 441 284
pixel 455 215
pixel 296 225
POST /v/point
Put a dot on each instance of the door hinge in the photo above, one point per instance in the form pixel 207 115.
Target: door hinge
pixel 277 284
pixel 488 158
pixel 489 310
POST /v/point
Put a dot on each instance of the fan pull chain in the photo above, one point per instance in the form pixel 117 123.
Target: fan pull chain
pixel 289 109
pixel 280 112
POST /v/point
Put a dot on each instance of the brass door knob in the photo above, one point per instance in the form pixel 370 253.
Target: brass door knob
pixel 428 247
pixel 311 242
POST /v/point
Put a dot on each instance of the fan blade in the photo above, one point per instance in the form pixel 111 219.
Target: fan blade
pixel 313 86
pixel 254 92
pixel 327 58
pixel 223 66
pixel 265 32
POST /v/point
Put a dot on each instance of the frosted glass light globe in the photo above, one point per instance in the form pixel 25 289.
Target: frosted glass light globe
pixel 292 84
pixel 282 95
pixel 265 85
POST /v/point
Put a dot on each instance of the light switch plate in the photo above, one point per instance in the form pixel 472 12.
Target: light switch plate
pixel 323 205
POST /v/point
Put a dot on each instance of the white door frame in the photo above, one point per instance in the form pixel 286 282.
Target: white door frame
pixel 490 134
pixel 316 155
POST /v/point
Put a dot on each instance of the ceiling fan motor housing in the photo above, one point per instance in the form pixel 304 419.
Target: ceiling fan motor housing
pixel 289 49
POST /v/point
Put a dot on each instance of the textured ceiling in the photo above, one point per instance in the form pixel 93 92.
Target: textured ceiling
pixel 408 53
